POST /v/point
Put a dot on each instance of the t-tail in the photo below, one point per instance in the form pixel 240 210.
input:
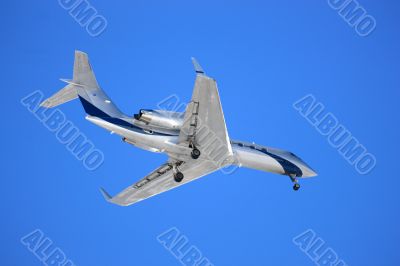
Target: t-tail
pixel 85 87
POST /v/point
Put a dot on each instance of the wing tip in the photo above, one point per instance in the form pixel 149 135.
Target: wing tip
pixel 105 194
pixel 110 199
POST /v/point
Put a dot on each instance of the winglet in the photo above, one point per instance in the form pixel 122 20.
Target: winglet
pixel 197 67
pixel 106 196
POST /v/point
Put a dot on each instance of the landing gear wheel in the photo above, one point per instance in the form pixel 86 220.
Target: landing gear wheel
pixel 195 153
pixel 296 186
pixel 178 177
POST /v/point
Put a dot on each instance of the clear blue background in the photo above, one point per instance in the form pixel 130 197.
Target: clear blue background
pixel 265 56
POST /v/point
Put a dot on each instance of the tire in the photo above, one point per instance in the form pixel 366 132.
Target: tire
pixel 178 177
pixel 195 153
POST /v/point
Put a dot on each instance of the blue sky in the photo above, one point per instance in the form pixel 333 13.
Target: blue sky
pixel 265 56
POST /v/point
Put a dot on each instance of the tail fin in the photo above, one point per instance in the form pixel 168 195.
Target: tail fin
pixel 84 85
pixel 83 72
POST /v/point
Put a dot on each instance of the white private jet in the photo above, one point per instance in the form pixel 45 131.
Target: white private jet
pixel 196 142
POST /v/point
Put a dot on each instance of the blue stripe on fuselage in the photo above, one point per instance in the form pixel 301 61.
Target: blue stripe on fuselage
pixel 95 111
pixel 288 166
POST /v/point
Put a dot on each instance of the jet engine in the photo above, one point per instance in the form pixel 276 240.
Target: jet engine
pixel 159 120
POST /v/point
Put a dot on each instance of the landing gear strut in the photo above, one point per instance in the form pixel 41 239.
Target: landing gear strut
pixel 296 185
pixel 178 175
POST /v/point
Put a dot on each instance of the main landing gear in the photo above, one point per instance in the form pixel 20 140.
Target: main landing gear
pixel 296 185
pixel 178 177
pixel 195 153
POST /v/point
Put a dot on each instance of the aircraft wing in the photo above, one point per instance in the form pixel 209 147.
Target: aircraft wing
pixel 204 123
pixel 204 128
pixel 161 180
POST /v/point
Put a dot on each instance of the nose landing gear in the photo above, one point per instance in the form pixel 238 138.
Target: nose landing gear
pixel 296 185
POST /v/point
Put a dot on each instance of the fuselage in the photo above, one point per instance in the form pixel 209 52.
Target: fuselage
pixel 244 154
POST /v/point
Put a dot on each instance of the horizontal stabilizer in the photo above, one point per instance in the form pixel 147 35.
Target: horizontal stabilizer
pixel 66 94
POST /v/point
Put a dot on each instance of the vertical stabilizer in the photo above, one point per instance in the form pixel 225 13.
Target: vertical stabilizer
pixel 84 85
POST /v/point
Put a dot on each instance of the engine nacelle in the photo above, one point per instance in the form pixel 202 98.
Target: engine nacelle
pixel 159 120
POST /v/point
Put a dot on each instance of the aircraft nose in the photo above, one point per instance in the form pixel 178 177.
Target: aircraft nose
pixel 308 172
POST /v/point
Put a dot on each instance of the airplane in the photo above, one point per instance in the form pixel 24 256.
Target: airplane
pixel 196 141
